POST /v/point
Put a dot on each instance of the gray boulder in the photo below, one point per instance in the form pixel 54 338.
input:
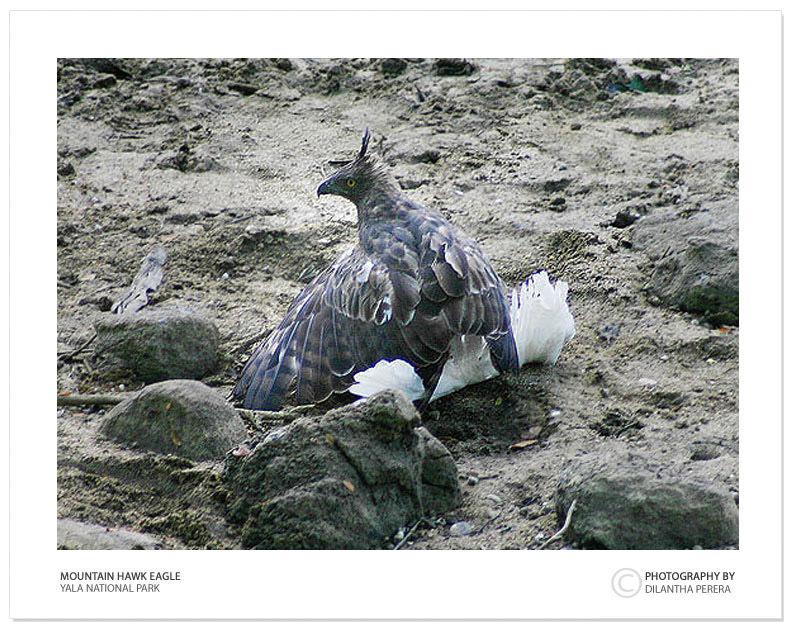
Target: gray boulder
pixel 157 343
pixel 179 417
pixel 74 534
pixel 345 480
pixel 694 259
pixel 621 503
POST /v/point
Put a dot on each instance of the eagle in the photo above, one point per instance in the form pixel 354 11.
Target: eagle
pixel 414 295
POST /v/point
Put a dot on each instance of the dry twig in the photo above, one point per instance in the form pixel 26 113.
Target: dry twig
pixel 562 531
pixel 410 533
pixel 70 354
pixel 86 400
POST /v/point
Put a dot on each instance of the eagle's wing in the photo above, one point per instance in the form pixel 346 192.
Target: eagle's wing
pixel 461 286
pixel 443 286
pixel 339 322
pixel 404 293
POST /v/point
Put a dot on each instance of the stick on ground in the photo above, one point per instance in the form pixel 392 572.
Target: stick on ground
pixel 562 531
pixel 148 279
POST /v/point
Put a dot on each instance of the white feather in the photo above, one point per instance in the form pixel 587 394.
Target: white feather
pixel 541 319
pixel 396 374
pixel 469 363
pixel 541 324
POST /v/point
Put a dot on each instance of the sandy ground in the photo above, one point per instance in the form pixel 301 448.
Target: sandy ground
pixel 219 161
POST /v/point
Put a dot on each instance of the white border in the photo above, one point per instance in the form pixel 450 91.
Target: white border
pixel 426 585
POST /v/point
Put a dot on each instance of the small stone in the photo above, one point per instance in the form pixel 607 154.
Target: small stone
pixel 494 498
pixel 454 67
pixel 647 382
pixel 461 528
pixel 65 169
pixel 241 451
pixel 393 66
pixel 705 451
pixel 105 81
pixel 625 218
pixel 533 433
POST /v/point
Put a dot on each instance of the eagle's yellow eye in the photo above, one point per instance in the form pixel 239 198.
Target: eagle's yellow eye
pixel 350 182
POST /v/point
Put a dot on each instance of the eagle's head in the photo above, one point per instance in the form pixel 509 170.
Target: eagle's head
pixel 363 181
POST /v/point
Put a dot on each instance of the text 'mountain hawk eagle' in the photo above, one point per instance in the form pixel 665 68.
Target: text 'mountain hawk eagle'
pixel 412 294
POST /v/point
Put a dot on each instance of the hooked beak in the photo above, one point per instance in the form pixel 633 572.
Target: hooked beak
pixel 323 188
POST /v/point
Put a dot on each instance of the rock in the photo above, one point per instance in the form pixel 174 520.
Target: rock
pixel 393 66
pixel 104 81
pixel 78 535
pixel 178 417
pixel 157 343
pixel 695 260
pixel 626 217
pixel 703 451
pixel 246 89
pixel 438 474
pixel 345 480
pixel 461 528
pixel 188 160
pixel 65 168
pixel 622 504
pixel 453 67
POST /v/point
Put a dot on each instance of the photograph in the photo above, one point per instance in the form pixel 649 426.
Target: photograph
pixel 397 303
pixel 396 315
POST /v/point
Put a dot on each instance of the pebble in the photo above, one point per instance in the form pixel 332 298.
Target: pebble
pixel 461 528
pixel 647 382
pixel 533 433
pixel 494 498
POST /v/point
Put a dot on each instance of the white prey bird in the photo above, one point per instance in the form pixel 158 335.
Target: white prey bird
pixel 541 324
